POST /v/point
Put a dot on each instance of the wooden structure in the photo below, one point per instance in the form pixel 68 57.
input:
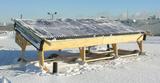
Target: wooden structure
pixel 82 43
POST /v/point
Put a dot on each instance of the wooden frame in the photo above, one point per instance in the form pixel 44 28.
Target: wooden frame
pixel 85 42
pixel 80 43
pixel 22 43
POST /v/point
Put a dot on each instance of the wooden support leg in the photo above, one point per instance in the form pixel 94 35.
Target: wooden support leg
pixel 22 56
pixel 115 49
pixel 82 53
pixel 140 45
pixel 22 43
pixel 41 60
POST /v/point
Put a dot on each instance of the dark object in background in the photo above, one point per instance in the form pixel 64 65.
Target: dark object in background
pixel 55 67
pixel 52 56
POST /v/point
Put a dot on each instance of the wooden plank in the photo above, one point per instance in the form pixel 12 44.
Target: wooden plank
pixel 41 61
pixel 21 41
pixel 102 52
pixel 82 53
pixel 115 50
pixel 22 55
pixel 85 42
pixel 96 59
pixel 127 53
pixel 41 58
pixel 140 45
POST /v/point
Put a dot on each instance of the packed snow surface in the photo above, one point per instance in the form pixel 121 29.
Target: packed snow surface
pixel 135 69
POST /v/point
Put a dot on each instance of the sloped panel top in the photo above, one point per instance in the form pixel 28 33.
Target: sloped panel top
pixel 75 28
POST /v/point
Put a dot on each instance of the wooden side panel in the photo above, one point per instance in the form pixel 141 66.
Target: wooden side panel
pixel 21 41
pixel 85 42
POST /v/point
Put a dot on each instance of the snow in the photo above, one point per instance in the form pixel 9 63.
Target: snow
pixel 73 27
pixel 135 69
pixel 5 80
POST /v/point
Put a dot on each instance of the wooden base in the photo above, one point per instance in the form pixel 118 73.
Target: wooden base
pixel 81 43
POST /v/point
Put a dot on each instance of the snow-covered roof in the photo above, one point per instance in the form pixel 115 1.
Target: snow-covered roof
pixel 75 27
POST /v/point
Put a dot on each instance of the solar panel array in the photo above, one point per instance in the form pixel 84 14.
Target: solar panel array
pixel 76 27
